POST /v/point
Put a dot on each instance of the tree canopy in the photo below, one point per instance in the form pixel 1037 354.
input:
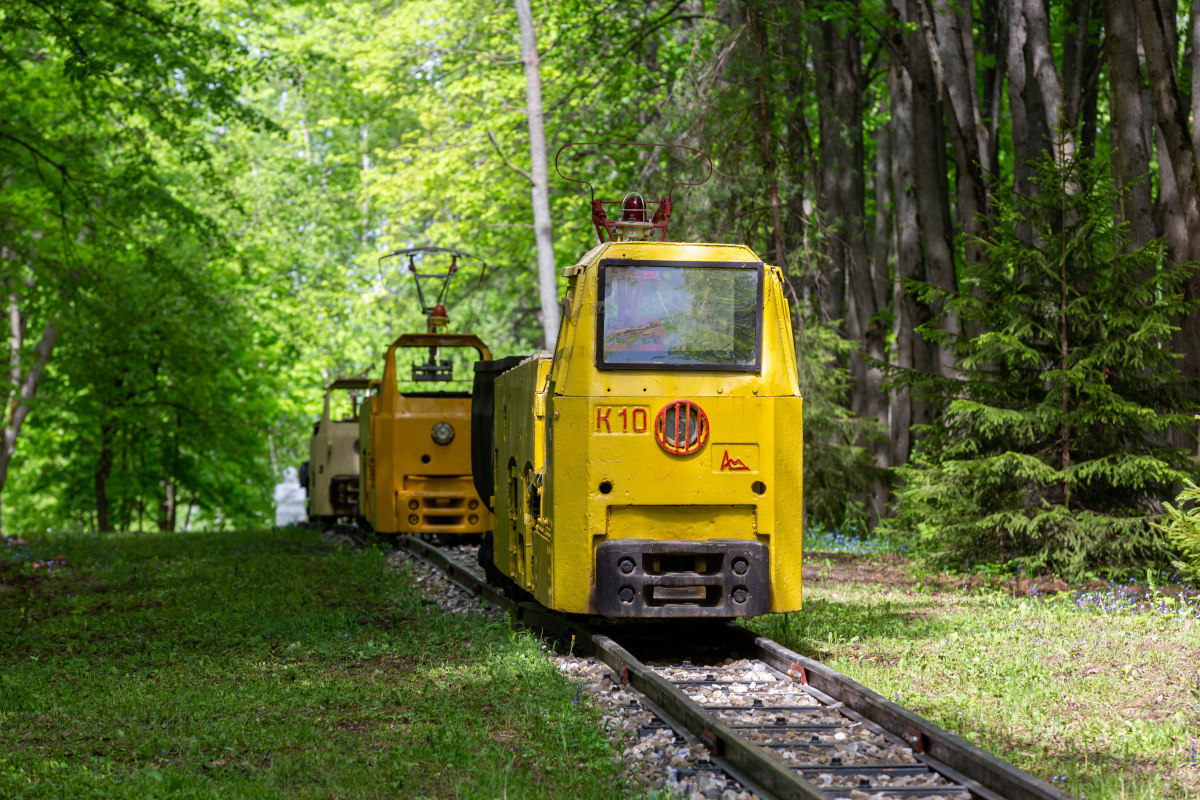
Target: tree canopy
pixel 196 194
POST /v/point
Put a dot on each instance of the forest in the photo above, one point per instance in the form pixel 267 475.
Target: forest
pixel 989 216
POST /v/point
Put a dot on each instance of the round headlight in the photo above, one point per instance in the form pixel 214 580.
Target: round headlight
pixel 681 428
pixel 443 433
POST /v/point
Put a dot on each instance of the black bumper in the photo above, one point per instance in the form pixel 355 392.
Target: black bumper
pixel 654 579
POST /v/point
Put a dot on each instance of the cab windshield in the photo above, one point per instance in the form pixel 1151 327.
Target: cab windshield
pixel 700 316
pixel 435 371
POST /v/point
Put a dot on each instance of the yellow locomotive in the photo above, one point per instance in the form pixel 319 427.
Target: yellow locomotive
pixel 415 469
pixel 652 466
pixel 331 473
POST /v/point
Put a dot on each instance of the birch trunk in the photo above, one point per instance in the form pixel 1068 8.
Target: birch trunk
pixel 23 382
pixel 539 175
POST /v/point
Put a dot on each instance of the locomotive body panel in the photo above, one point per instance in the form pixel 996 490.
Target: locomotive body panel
pixel 334 471
pixel 522 532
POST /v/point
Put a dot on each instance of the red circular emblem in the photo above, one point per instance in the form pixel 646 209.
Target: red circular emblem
pixel 681 428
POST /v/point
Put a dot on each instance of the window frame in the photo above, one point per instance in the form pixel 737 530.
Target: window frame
pixel 602 364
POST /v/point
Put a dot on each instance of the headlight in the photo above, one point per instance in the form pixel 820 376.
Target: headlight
pixel 681 428
pixel 443 433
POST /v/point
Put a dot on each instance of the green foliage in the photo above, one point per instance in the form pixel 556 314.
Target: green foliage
pixel 249 165
pixel 1182 528
pixel 270 664
pixel 154 377
pixel 111 236
pixel 1050 450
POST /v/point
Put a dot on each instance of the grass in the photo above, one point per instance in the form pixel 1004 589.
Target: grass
pixel 267 664
pixel 1088 691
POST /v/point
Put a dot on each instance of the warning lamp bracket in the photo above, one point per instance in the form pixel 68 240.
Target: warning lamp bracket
pixel 617 228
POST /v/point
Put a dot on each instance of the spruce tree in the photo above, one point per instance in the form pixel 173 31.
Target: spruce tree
pixel 1182 527
pixel 1051 449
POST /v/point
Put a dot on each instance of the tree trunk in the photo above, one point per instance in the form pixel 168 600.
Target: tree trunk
pixel 1173 219
pixel 841 189
pixel 1193 53
pixel 166 507
pixel 1093 64
pixel 956 50
pixel 1022 136
pixel 832 202
pixel 930 184
pixel 1173 125
pixel 758 30
pixel 103 470
pixel 911 351
pixel 1131 153
pixel 842 196
pixel 23 384
pixel 540 175
pixel 1074 50
pixel 1040 64
pixel 798 146
pixel 995 45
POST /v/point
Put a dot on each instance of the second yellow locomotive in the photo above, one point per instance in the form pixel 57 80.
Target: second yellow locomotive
pixel 415 439
pixel 416 450
pixel 652 466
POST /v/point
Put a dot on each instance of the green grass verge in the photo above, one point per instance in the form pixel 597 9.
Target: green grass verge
pixel 1100 700
pixel 268 664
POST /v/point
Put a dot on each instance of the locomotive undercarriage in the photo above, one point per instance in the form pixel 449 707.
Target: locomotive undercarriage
pixel 648 578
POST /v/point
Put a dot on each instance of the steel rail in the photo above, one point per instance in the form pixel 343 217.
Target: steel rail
pixel 942 750
pixel 967 766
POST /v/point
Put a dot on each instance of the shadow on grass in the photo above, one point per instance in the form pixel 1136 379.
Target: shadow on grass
pixel 269 665
pixel 210 594
pixel 824 624
pixel 1087 771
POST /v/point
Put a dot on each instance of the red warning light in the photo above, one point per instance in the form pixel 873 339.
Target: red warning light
pixel 633 208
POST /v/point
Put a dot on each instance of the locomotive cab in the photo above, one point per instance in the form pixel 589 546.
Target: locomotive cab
pixel 652 466
pixel 416 464
pixel 332 473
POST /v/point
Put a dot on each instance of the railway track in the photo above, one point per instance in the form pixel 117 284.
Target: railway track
pixel 779 724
